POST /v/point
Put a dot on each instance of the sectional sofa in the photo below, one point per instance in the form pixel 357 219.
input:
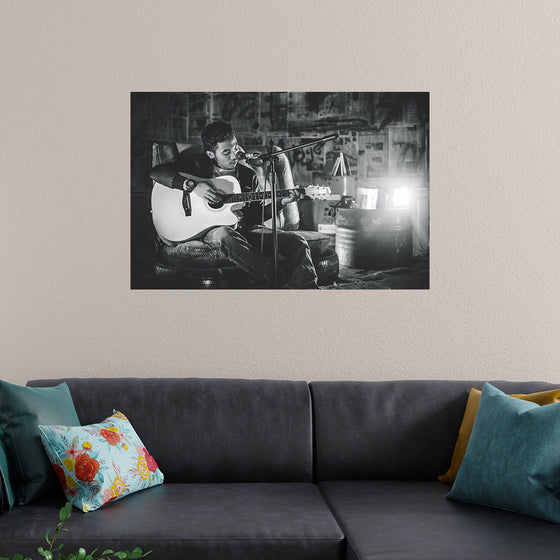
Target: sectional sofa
pixel 263 469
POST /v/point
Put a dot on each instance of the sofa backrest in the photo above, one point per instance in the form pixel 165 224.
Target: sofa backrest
pixel 401 430
pixel 208 430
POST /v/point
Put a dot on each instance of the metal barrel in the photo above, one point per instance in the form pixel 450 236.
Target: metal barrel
pixel 374 239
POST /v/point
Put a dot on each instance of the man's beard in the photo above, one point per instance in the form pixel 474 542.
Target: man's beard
pixel 224 170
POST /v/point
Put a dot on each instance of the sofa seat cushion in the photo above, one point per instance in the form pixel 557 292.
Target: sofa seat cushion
pixel 194 522
pixel 412 520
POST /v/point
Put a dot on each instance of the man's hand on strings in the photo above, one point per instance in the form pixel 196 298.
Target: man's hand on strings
pixel 292 198
pixel 208 192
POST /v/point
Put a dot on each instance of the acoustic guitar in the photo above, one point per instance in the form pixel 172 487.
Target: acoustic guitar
pixel 180 217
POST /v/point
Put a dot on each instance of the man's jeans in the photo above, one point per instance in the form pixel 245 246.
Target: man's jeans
pixel 244 251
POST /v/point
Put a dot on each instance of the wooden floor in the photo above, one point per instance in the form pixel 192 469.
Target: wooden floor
pixel 413 277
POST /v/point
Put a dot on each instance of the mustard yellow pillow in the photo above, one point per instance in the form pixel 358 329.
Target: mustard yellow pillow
pixel 541 398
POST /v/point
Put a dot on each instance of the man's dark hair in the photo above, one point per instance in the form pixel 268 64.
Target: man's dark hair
pixel 216 132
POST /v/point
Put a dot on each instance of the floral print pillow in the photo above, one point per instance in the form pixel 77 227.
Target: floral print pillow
pixel 99 463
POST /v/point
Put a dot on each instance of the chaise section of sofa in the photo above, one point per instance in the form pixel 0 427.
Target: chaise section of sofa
pixel 412 520
pixel 379 447
pixel 237 459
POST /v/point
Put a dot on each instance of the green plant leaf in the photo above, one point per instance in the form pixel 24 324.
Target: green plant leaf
pixel 64 514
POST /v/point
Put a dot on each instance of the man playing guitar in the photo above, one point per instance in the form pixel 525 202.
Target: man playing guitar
pixel 240 242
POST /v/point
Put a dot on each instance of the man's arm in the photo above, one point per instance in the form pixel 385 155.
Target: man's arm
pixel 285 182
pixel 167 174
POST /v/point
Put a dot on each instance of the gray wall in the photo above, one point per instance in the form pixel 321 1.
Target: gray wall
pixel 492 73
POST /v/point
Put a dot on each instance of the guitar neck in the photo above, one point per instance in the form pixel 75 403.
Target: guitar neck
pixel 254 195
pixel 233 198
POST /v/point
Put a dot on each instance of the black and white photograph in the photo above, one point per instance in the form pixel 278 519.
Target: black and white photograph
pixel 280 190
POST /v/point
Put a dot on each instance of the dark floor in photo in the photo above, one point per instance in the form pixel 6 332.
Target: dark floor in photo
pixel 416 276
pixel 413 277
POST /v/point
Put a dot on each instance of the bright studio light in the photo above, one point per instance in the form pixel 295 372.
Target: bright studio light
pixel 401 197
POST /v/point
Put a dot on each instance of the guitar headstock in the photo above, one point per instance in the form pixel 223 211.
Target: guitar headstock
pixel 317 191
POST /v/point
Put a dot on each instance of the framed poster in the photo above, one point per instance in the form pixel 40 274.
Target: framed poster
pixel 279 190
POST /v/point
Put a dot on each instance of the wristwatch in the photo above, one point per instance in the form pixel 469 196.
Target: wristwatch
pixel 189 185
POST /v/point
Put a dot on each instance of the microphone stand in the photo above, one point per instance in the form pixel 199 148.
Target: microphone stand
pixel 272 157
pixel 271 172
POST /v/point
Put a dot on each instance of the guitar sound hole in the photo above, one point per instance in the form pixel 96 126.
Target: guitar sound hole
pixel 215 205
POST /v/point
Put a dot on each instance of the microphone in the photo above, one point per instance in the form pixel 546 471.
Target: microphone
pixel 251 158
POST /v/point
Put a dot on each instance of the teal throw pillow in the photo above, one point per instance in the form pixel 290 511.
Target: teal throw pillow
pixel 21 410
pixel 513 457
pixel 100 463
pixel 7 497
